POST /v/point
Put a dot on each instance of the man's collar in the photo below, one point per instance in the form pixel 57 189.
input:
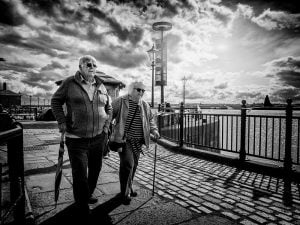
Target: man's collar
pixel 84 81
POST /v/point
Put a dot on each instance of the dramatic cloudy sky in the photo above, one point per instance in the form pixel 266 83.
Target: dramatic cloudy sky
pixel 228 50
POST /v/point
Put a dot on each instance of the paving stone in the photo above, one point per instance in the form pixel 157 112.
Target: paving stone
pixel 182 203
pixel 226 205
pixel 258 219
pixel 285 217
pixel 285 223
pixel 231 215
pixel 204 209
pixel 247 222
pixel 211 205
pixel 264 209
pixel 241 211
pixel 209 220
pixel 245 207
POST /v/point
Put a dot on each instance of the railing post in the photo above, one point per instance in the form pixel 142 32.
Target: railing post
pixel 0 192
pixel 15 159
pixel 159 116
pixel 181 124
pixel 243 132
pixel 288 136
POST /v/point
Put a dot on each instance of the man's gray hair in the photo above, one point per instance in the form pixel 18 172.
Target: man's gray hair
pixel 86 58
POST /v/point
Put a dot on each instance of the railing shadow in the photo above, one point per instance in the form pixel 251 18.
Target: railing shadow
pixel 287 192
pixel 258 192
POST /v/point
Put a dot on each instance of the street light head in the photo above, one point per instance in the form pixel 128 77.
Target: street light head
pixel 151 53
pixel 162 26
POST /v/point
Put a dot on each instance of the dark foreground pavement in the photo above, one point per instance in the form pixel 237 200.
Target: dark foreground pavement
pixel 188 190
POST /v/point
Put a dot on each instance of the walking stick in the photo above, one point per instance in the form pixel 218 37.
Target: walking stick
pixel 155 149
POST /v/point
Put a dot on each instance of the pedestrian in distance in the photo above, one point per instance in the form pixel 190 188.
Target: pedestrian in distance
pixel 135 122
pixel 85 124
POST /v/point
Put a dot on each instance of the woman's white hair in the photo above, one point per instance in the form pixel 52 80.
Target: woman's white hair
pixel 136 84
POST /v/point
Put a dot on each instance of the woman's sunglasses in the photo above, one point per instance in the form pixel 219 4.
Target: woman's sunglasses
pixel 140 90
pixel 89 65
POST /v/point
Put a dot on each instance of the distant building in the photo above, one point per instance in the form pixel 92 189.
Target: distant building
pixel 112 85
pixel 9 98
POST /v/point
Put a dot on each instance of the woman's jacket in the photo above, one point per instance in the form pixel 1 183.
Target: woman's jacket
pixel 120 112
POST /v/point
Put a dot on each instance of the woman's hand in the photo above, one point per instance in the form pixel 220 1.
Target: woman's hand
pixel 156 134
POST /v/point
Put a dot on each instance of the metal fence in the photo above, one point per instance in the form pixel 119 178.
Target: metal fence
pixel 263 136
pixel 26 112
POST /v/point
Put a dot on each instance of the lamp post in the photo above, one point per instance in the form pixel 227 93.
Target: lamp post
pixel 184 79
pixel 30 104
pixel 151 53
pixel 162 26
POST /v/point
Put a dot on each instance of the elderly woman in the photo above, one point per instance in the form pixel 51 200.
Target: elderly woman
pixel 134 120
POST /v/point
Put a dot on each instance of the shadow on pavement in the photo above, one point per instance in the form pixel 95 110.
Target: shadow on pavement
pixel 64 216
pixel 99 215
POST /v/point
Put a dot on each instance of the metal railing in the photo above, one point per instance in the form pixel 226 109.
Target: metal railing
pixel 273 137
pixel 13 138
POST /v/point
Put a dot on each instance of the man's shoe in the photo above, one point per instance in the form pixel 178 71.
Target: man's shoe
pixel 126 200
pixel 93 200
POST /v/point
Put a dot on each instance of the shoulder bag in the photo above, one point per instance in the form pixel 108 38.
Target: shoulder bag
pixel 118 146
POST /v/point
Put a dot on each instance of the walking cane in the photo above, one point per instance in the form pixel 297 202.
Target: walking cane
pixel 155 149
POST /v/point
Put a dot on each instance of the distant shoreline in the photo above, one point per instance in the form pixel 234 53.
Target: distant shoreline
pixel 274 108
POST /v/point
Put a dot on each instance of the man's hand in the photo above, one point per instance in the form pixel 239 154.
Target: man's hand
pixel 156 134
pixel 62 127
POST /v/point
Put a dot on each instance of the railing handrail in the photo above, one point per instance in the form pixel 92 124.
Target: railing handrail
pixel 9 134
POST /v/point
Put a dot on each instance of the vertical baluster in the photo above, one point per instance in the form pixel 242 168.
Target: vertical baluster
pixel 266 143
pixel 279 140
pixel 254 131
pixel 248 150
pixel 227 131
pixel 288 136
pixel 298 137
pixel 259 145
pixel 273 129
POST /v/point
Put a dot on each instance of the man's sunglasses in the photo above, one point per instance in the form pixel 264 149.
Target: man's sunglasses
pixel 89 65
pixel 140 90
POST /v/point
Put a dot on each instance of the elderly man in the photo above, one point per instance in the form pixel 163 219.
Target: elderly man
pixel 85 125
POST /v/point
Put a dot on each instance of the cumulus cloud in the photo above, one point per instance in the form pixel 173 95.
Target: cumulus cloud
pixel 271 20
pixel 45 79
pixel 287 70
pixel 221 86
pixel 53 65
pixel 283 94
pixel 10 16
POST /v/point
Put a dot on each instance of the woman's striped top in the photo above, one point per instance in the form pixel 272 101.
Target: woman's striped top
pixel 136 128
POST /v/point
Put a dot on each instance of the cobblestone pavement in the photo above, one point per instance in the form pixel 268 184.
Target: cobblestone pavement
pixel 201 186
pixel 207 188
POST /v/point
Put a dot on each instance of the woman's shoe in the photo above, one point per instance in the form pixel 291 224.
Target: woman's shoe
pixel 133 193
